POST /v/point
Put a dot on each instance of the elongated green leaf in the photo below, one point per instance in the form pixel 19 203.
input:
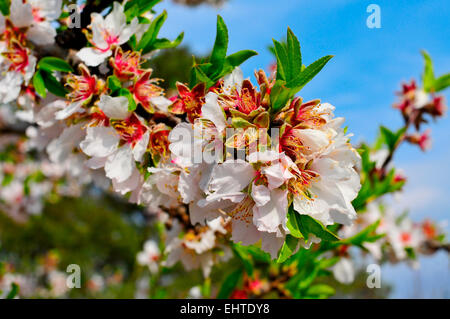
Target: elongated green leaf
pixel 220 48
pixel 239 57
pixel 54 64
pixel 294 56
pixel 229 284
pixel 39 84
pixel 293 223
pixel 442 82
pixel 308 74
pixel 428 73
pixel 200 76
pixel 166 43
pixel 288 248
pixel 142 7
pixel 309 225
pixel 282 60
pixel 151 34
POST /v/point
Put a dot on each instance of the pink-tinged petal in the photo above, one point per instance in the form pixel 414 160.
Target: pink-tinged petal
pixel 114 107
pixel 100 141
pixel 116 20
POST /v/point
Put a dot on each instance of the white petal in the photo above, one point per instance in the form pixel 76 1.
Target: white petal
pixel 344 271
pixel 129 184
pixel 212 111
pixel 41 33
pixel 161 103
pixel 21 14
pixel 69 110
pixel 100 141
pixel 269 217
pixel 114 107
pixel 233 80
pixel 141 147
pixel 260 194
pixel 116 20
pixel 120 164
pixel 93 57
pixel 128 31
pixel 96 162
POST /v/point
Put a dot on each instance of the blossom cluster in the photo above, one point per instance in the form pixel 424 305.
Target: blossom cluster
pixel 223 164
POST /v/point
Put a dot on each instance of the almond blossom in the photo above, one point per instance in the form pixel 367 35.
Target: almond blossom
pixel 107 34
pixel 118 142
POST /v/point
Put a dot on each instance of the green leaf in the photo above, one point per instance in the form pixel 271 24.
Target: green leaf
pixel 279 96
pixel 4 7
pixel 200 76
pixel 391 138
pixel 39 84
pixel 294 56
pixel 229 284
pixel 151 34
pixel 138 7
pixel 282 60
pixel 428 73
pixel 320 290
pixel 131 103
pixel 13 292
pixel 366 235
pixel 219 50
pixel 288 248
pixel 114 83
pixel 442 82
pixel 53 85
pixel 246 259
pixel 54 64
pixel 309 225
pixel 293 223
pixel 166 43
pixel 236 59
pixel 308 74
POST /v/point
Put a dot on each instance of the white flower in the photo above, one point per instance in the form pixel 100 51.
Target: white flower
pixel 104 142
pixel 36 16
pixel 195 250
pixel 150 256
pixel 344 271
pixel 106 34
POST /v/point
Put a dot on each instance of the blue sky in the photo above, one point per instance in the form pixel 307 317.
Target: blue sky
pixel 361 80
